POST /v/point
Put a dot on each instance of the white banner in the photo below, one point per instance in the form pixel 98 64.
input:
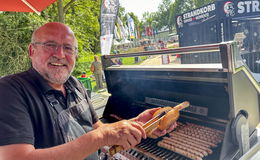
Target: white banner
pixel 106 43
pixel 108 14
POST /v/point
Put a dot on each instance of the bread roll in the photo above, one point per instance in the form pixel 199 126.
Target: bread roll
pixel 171 116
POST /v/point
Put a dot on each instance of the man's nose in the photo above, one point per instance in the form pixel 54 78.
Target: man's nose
pixel 59 52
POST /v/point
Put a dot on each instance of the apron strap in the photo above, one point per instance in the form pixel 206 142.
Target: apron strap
pixel 54 103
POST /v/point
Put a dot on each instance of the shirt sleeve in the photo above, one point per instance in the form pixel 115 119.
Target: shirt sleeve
pixel 15 122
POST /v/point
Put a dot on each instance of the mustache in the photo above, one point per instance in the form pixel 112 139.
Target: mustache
pixel 57 60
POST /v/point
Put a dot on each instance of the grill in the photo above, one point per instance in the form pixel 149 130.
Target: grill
pixel 179 145
pixel 221 122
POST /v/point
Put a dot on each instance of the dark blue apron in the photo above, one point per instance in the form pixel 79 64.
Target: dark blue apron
pixel 74 121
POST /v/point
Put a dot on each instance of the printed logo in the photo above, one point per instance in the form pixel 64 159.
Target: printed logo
pixel 229 9
pixel 110 6
pixel 179 21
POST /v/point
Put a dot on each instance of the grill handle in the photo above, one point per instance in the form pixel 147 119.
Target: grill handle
pixel 240 132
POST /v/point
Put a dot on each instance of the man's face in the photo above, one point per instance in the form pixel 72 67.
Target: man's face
pixel 55 64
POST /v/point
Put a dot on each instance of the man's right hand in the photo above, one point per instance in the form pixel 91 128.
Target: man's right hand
pixel 124 133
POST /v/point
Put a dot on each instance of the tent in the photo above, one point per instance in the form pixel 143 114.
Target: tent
pixel 25 5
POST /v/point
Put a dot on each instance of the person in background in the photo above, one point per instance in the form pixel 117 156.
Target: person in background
pixel 96 69
pixel 83 75
pixel 46 113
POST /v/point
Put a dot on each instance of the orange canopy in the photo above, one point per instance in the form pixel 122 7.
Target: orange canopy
pixel 24 5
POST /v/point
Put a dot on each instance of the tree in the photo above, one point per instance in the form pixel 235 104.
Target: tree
pixel 15 35
pixel 168 10
pixel 200 3
pixel 62 10
pixel 16 29
pixel 164 17
pixel 83 18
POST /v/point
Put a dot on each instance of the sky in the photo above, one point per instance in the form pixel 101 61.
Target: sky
pixel 138 7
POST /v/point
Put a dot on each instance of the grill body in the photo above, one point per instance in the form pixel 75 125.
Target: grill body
pixel 225 99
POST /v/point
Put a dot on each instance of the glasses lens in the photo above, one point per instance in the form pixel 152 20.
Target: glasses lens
pixel 51 46
pixel 69 49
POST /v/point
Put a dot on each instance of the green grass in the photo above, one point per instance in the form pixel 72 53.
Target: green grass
pixel 131 60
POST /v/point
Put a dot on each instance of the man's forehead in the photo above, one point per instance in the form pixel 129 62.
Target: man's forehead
pixel 56 30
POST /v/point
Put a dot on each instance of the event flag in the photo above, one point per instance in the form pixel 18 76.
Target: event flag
pixel 146 31
pixel 131 26
pixel 108 14
pixel 122 29
pixel 127 31
pixel 117 35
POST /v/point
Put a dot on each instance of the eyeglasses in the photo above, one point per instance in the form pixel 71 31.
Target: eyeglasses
pixel 53 47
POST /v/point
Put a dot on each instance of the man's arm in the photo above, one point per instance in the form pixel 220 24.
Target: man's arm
pixel 92 67
pixel 124 133
pixel 74 150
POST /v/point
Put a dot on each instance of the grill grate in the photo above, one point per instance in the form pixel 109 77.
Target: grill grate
pixel 181 148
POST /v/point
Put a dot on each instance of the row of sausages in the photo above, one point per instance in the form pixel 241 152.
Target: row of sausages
pixel 192 140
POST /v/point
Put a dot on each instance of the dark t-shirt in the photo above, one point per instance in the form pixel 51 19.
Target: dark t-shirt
pixel 26 115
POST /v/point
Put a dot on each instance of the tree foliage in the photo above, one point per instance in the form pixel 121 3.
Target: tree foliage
pixel 15 34
pixel 16 29
pixel 168 10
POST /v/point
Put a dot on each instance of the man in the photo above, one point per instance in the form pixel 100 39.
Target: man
pixel 96 68
pixel 46 113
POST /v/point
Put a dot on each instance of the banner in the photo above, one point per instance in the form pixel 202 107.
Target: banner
pixel 117 35
pixel 131 26
pixel 122 29
pixel 108 14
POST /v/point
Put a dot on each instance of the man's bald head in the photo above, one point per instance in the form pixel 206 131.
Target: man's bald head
pixel 49 27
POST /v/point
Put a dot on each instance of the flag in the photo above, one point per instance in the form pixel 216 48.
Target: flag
pixel 119 30
pixel 146 31
pixel 150 31
pixel 117 36
pixel 131 26
pixel 108 14
pixel 123 31
pixel 127 31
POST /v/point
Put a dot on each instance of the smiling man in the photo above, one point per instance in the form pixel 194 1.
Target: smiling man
pixel 58 39
pixel 46 113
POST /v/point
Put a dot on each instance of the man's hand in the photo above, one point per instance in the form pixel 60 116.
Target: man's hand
pixel 145 116
pixel 124 133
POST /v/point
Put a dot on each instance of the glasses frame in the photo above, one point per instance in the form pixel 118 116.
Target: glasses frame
pixel 44 44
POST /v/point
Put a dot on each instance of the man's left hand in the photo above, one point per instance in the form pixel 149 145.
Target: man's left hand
pixel 145 116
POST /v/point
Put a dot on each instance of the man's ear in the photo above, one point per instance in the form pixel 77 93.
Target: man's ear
pixel 30 50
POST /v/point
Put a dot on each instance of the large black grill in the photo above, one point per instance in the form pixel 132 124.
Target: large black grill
pixel 224 99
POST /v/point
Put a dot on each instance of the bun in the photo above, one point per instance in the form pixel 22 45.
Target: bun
pixel 171 116
pixel 169 119
pixel 166 109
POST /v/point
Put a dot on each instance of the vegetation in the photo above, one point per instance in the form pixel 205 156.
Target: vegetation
pixel 16 29
pixel 82 16
pixel 165 16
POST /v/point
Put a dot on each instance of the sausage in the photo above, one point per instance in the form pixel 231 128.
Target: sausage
pixel 196 139
pixel 180 151
pixel 192 143
pixel 192 147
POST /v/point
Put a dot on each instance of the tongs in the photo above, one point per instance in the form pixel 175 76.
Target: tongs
pixel 148 127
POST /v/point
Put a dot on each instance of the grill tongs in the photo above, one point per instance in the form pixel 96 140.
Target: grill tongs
pixel 148 127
